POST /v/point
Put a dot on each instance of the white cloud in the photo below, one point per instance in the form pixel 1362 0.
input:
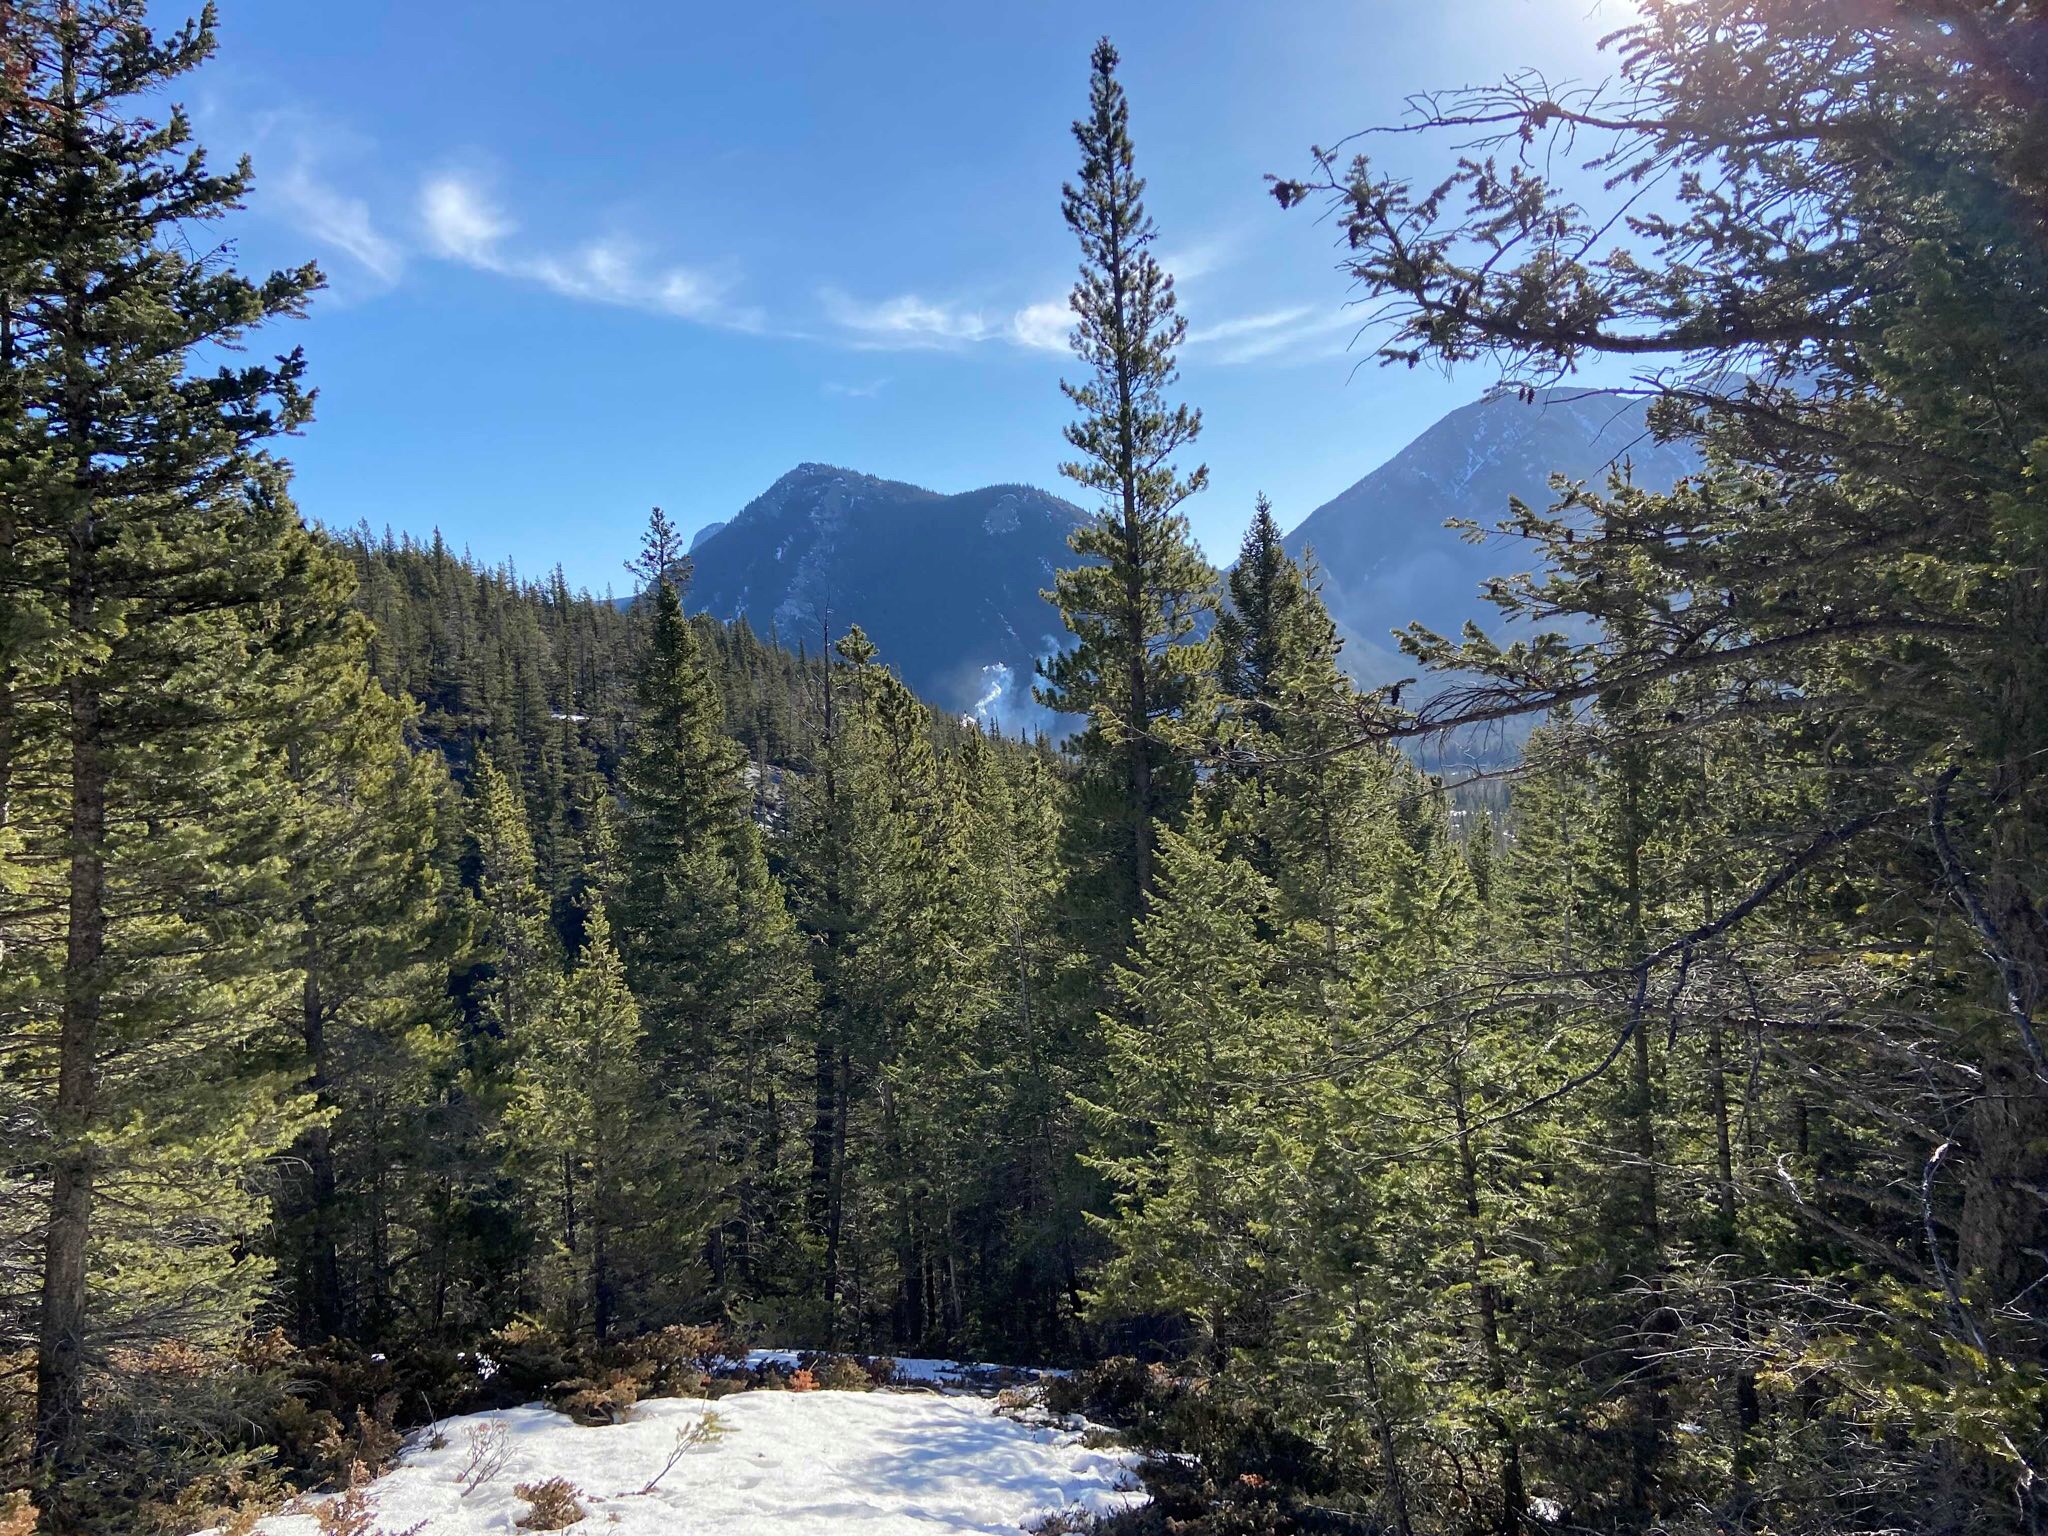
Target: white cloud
pixel 1246 325
pixel 1191 262
pixel 863 391
pixel 910 322
pixel 1044 326
pixel 460 222
pixel 905 321
pixel 463 224
pixel 292 150
pixel 334 218
pixel 1295 333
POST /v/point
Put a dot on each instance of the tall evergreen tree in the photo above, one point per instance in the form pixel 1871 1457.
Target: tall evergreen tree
pixel 582 1126
pixel 710 950
pixel 377 936
pixel 170 625
pixel 1136 611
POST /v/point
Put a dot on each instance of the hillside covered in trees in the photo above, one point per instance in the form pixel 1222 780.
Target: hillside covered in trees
pixel 424 990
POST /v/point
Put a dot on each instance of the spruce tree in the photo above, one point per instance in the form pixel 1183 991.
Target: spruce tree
pixel 377 937
pixel 1266 611
pixel 1207 1022
pixel 581 1123
pixel 710 950
pixel 1138 609
pixel 169 620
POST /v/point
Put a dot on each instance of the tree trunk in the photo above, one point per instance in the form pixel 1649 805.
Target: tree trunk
pixel 320 1308
pixel 1747 1410
pixel 835 1214
pixel 1390 1460
pixel 60 1349
pixel 1514 1496
pixel 60 1342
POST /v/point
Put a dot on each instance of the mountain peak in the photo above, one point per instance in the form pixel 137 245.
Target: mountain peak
pixel 1386 557
pixel 948 586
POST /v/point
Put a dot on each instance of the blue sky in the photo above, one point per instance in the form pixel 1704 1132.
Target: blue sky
pixel 584 260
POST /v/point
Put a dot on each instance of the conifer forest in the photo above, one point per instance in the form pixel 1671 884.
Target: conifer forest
pixel 427 988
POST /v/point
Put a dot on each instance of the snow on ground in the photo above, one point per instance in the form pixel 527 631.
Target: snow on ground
pixel 829 1463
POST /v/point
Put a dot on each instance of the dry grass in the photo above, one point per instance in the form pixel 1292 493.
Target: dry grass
pixel 554 1505
pixel 351 1514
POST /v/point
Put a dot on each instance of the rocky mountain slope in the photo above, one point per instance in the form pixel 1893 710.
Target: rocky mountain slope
pixel 1385 555
pixel 946 586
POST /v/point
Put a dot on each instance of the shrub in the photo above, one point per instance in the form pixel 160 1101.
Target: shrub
pixel 840 1373
pixel 522 1361
pixel 680 1359
pixel 485 1457
pixel 349 1513
pixel 232 1498
pixel 371 1443
pixel 607 1397
pixel 1119 1391
pixel 801 1380
pixel 702 1430
pixel 554 1505
pixel 17 1514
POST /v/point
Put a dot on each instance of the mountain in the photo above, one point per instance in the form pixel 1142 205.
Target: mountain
pixel 702 534
pixel 946 586
pixel 1385 554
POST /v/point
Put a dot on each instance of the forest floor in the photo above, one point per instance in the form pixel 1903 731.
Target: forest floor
pixel 832 1463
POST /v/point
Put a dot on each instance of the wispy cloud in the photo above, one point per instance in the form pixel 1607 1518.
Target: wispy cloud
pixel 1190 263
pixel 864 391
pixel 462 223
pixel 904 321
pixel 1294 333
pixel 457 218
pixel 339 220
pixel 294 153
pixel 910 322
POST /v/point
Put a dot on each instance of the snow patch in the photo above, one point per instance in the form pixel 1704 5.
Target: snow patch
pixel 830 1463
pixel 1002 517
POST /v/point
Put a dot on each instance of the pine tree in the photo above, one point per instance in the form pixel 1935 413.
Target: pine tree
pixel 377 937
pixel 711 951
pixel 1208 1022
pixel 170 621
pixel 1137 612
pixel 582 1126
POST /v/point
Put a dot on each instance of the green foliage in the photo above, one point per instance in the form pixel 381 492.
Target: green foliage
pixel 1137 609
pixel 711 949
pixel 513 981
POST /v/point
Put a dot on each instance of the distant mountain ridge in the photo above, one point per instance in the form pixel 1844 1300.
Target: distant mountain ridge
pixel 947 586
pixel 1386 557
